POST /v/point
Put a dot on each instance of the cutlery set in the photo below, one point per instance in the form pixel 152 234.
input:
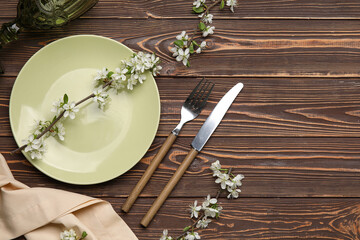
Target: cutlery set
pixel 189 111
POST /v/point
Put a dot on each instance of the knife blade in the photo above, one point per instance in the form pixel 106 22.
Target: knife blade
pixel 215 117
pixel 198 143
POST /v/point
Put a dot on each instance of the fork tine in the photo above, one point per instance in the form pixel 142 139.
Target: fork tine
pixel 201 93
pixel 202 104
pixel 196 97
pixel 194 91
pixel 202 101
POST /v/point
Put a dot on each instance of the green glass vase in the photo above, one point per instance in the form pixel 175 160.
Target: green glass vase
pixel 42 14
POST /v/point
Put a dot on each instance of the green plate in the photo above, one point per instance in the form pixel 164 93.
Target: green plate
pixel 99 145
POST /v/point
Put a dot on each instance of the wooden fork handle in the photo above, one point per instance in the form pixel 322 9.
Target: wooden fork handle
pixel 149 172
pixel 168 188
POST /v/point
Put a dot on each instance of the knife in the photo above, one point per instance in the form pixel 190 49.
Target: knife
pixel 197 145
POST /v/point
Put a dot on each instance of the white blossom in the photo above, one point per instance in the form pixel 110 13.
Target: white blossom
pixel 227 182
pixel 207 18
pixel 40 127
pixel 57 107
pixel 118 75
pixel 194 210
pixel 203 223
pixel 198 3
pixel 35 147
pixel 31 143
pixel 101 74
pixel 211 212
pixel 119 79
pixel 165 235
pixel 208 200
pixel 216 167
pixel 133 71
pixel 134 79
pixel 183 36
pixel 100 97
pixel 175 51
pixel 38 153
pixel 236 181
pixel 70 110
pixel 58 130
pixel 231 4
pixel 223 179
pixel 68 235
pixel 208 31
pixel 192 236
pixel 155 69
pixel 233 192
pixel 14 28
pixel 183 56
pixel 201 47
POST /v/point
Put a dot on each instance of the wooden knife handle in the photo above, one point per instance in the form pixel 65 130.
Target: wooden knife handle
pixel 149 172
pixel 168 188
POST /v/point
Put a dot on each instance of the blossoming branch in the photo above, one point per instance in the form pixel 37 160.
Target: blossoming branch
pixel 184 45
pixel 129 74
pixel 209 209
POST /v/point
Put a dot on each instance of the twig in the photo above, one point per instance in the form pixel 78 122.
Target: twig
pixel 193 226
pixel 58 118
pixel 211 6
pixel 205 13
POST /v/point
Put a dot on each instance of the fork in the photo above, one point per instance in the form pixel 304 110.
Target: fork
pixel 190 110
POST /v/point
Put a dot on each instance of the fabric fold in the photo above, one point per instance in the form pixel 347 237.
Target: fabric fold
pixel 42 213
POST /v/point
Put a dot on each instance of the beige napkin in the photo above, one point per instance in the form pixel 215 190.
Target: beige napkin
pixel 42 213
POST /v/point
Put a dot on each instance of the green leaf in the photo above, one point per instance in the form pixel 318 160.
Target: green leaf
pixel 109 74
pixel 66 98
pixel 84 234
pixel 191 48
pixel 179 43
pixel 202 26
pixel 198 10
pixel 186 228
pixel 188 63
pixel 222 4
pixel 53 119
pixel 195 43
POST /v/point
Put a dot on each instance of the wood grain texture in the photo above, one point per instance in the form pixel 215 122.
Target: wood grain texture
pixel 253 9
pixel 293 131
pixel 258 219
pixel 254 218
pixel 265 107
pixel 273 167
pixel 255 48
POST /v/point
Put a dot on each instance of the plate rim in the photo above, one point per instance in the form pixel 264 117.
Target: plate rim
pixel 104 179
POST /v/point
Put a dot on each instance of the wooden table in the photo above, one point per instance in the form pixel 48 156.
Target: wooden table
pixel 293 131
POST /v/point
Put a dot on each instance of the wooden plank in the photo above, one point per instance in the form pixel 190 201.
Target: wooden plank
pixel 257 219
pixel 253 9
pixel 265 108
pixel 254 218
pixel 273 167
pixel 256 48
